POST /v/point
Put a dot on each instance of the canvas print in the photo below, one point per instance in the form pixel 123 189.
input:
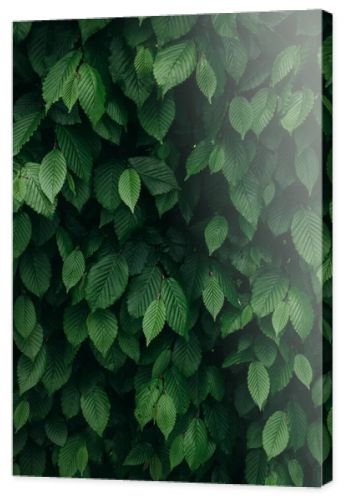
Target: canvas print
pixel 172 248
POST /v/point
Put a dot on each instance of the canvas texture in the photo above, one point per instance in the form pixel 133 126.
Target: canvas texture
pixel 172 248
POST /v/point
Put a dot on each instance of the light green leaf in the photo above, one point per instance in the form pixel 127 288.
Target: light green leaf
pixel 176 453
pixel 58 76
pixel 268 290
pixel 174 64
pixel 102 328
pixel 68 458
pixel 176 306
pixel 91 93
pixel 286 61
pixel 52 173
pixel 241 115
pixel 198 158
pixel 129 187
pixel 301 312
pixel 307 168
pixel 155 174
pixel 275 434
pixel 296 473
pixel 300 106
pixel 303 370
pixel 206 78
pixel 24 128
pixel 154 319
pixel 21 414
pixel 264 106
pixel 95 406
pixel 213 297
pixel 156 116
pixel 73 269
pixel 215 233
pixel 143 290
pixel 307 232
pixel 165 414
pixel 258 382
pixel 106 282
pixel 280 317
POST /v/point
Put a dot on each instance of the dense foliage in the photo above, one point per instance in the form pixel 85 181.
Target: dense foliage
pixel 170 259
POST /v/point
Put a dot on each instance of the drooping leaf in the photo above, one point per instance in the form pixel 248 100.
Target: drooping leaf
pixel 241 115
pixel 258 382
pixel 306 232
pixel 275 434
pixel 73 269
pixel 206 78
pixel 176 306
pixel 154 319
pixel 165 414
pixel 95 407
pixel 174 64
pixel 215 233
pixel 156 116
pixel 52 173
pixel 129 187
pixel 91 92
pixel 213 297
pixel 303 370
pixel 102 328
pixel 106 281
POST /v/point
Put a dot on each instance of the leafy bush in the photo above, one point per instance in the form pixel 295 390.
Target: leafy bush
pixel 170 260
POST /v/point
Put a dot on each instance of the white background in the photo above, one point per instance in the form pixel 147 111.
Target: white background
pixel 32 488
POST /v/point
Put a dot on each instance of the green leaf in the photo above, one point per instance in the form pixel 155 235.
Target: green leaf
pixel 174 64
pixel 195 443
pixel 156 116
pixel 225 24
pixel 143 290
pixel 169 28
pixel 258 382
pixel 56 430
pixel 186 355
pixel 206 78
pixel 75 323
pixel 300 312
pixel 241 115
pixel 154 319
pixel 35 271
pixel 89 27
pixel 129 187
pixel 58 76
pixel 91 93
pixel 280 317
pixel 288 60
pixel 198 158
pixel 30 372
pixel 52 173
pixel 176 453
pixel 213 297
pixel 139 454
pixel 73 269
pixel 24 315
pixel 31 345
pixel 102 328
pixel 68 458
pixel 306 232
pixel 106 281
pixel 296 473
pixel 246 198
pixel 300 106
pixel 303 370
pixel 215 233
pixel 96 407
pixel 76 151
pixel 263 106
pixel 106 178
pixel 307 168
pixel 176 306
pixel 318 441
pixel 165 415
pixel 21 414
pixel 275 434
pixel 22 230
pixel 155 174
pixel 268 290
pixel 24 128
